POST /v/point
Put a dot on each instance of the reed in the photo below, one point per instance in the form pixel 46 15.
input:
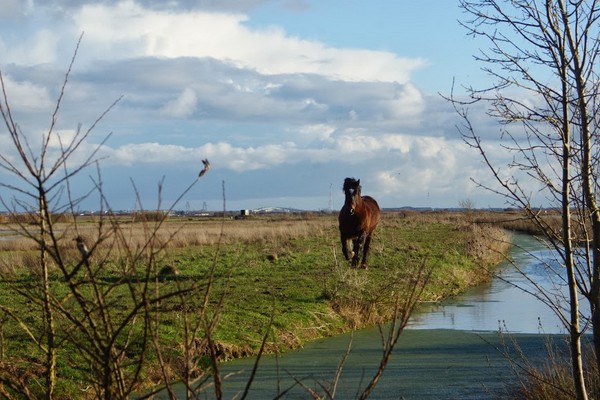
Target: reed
pixel 551 379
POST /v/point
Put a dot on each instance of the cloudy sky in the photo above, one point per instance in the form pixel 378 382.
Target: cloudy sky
pixel 286 98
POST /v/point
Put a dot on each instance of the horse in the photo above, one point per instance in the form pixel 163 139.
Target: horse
pixel 358 219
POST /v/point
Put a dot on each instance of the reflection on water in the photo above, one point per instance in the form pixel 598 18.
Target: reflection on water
pixel 503 303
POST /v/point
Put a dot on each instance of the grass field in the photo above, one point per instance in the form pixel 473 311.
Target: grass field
pixel 233 279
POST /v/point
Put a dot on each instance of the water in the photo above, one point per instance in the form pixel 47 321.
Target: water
pixel 427 364
pixel 450 350
pixel 503 304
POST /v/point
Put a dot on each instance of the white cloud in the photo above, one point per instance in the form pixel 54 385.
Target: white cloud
pixel 26 96
pixel 149 153
pixel 407 102
pixel 126 29
pixel 401 143
pixel 313 133
pixel 266 108
pixel 419 154
pixel 183 106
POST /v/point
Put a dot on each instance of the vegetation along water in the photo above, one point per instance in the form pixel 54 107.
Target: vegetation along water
pixel 217 289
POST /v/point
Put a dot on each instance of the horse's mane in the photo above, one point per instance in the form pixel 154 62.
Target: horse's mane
pixel 351 183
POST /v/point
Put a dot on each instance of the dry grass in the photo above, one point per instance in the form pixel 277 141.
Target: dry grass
pixel 179 232
pixel 553 379
pixel 487 243
pixel 247 231
pixel 182 232
pixel 16 252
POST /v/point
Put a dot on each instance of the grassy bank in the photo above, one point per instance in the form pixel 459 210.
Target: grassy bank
pixel 292 270
pixel 240 276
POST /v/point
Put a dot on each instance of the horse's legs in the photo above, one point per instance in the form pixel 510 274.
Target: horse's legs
pixel 345 248
pixel 366 249
pixel 358 244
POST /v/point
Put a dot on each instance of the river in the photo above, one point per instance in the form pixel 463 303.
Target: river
pixel 503 303
pixel 449 351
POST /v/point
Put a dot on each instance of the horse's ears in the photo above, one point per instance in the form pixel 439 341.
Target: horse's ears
pixel 358 182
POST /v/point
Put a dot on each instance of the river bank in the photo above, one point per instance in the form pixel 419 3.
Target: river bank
pixel 228 284
pixel 453 350
pixel 309 291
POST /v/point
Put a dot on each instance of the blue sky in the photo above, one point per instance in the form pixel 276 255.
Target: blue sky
pixel 426 30
pixel 286 98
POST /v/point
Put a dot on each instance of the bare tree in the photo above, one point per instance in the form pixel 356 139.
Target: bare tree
pixel 42 178
pixel 543 57
pixel 102 317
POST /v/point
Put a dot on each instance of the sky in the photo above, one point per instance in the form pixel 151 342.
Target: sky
pixel 285 98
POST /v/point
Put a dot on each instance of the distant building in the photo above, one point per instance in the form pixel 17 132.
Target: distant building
pixel 243 214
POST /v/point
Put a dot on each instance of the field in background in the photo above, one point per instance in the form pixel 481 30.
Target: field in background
pixel 183 231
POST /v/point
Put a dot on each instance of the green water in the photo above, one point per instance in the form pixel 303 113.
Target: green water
pixel 427 364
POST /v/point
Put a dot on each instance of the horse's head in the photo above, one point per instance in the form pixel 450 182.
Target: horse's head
pixel 352 192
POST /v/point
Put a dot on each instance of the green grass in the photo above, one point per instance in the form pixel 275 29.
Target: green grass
pixel 299 282
pixel 301 285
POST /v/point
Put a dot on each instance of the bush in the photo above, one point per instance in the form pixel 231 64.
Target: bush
pixel 553 379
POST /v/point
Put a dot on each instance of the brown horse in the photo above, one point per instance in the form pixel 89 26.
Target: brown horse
pixel 358 218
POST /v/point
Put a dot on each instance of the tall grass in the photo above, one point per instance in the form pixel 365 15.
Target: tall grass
pixel 551 379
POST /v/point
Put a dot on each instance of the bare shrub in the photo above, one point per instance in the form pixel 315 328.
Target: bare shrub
pixel 487 244
pixel 553 378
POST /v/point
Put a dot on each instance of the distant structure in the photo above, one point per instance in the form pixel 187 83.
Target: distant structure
pixel 243 214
